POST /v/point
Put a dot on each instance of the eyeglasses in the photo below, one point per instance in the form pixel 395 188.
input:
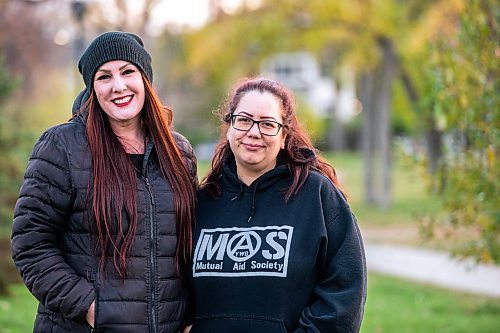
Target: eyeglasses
pixel 266 127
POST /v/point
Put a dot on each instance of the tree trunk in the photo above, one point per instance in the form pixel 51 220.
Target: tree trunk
pixel 433 136
pixel 433 140
pixel 367 135
pixel 383 111
pixel 336 133
pixel 375 91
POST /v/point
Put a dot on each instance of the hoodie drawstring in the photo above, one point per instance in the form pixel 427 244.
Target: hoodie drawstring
pixel 238 194
pixel 252 210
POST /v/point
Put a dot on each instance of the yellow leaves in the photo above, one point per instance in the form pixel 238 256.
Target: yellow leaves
pixel 387 17
pixel 485 256
pixel 463 101
pixel 457 5
pixel 362 56
pixel 205 45
pixel 440 21
pixel 352 27
pixel 237 43
pixel 491 157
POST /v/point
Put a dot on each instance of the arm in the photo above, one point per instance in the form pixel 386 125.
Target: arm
pixel 41 212
pixel 339 297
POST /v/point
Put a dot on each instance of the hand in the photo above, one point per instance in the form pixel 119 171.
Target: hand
pixel 187 329
pixel 90 315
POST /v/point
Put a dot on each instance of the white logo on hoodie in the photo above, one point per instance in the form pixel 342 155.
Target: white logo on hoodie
pixel 255 251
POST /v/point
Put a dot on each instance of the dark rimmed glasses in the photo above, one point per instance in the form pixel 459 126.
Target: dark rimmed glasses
pixel 266 127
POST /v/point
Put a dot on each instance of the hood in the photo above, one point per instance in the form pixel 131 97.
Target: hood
pixel 80 100
pixel 236 187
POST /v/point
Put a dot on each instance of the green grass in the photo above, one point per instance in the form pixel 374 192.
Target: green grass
pixel 399 306
pixel 203 167
pixel 393 306
pixel 410 198
pixel 17 311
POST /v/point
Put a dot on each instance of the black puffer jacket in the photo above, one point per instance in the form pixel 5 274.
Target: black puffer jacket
pixel 52 244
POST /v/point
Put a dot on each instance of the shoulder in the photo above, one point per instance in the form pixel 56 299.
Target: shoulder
pixel 63 136
pixel 58 144
pixel 183 143
pixel 187 151
pixel 50 160
pixel 329 194
pixel 184 146
pixel 203 194
pixel 316 178
pixel 66 133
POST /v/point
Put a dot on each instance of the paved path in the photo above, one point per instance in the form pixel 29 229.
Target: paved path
pixel 433 267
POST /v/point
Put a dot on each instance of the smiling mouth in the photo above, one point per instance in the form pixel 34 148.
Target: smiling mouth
pixel 122 101
pixel 252 146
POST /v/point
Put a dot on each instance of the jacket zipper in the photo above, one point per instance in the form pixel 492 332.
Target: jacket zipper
pixel 94 279
pixel 152 288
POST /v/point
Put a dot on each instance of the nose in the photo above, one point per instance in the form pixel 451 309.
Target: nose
pixel 118 85
pixel 254 130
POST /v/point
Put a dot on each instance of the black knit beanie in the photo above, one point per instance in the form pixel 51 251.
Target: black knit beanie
pixel 114 45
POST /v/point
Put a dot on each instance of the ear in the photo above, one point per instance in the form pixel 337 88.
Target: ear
pixel 283 142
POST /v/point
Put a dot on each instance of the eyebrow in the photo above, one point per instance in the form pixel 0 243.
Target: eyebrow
pixel 244 113
pixel 108 70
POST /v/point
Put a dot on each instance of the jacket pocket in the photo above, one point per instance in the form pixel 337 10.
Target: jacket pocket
pixel 237 324
pixel 57 323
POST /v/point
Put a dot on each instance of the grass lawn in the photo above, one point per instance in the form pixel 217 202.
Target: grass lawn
pixel 17 311
pixel 393 306
pixel 399 306
pixel 410 198
pixel 410 201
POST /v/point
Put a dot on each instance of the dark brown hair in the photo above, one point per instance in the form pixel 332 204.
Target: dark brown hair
pixel 114 182
pixel 299 153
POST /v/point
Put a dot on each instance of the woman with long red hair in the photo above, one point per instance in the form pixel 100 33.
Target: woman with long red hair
pixel 102 229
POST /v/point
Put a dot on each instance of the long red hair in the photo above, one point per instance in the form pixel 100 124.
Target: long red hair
pixel 299 153
pixel 114 180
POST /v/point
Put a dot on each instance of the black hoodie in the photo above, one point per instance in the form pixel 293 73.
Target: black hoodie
pixel 264 265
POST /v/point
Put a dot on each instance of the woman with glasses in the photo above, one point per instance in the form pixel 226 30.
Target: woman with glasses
pixel 277 248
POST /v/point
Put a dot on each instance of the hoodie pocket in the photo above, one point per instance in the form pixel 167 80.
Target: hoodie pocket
pixel 237 324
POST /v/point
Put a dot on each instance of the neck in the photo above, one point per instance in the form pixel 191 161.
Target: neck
pixel 246 179
pixel 132 138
